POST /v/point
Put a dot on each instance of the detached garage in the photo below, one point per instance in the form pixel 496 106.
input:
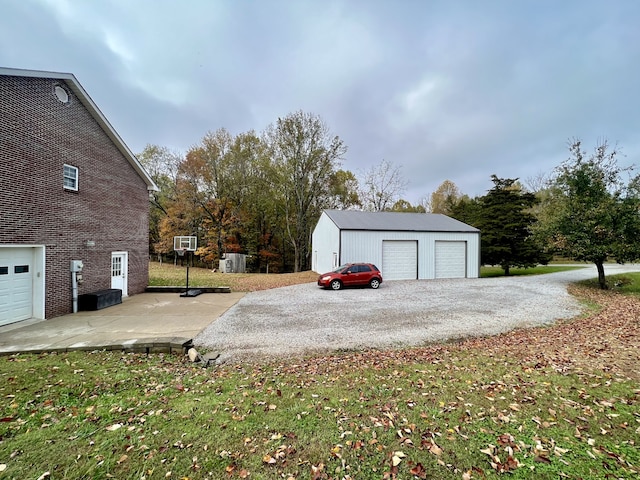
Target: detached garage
pixel 405 246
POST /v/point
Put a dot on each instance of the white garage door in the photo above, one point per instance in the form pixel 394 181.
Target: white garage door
pixel 16 284
pixel 451 259
pixel 399 260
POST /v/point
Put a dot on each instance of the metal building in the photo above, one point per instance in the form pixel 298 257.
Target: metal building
pixel 405 246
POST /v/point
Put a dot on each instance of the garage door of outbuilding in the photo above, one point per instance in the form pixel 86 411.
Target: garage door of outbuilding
pixel 451 259
pixel 399 259
pixel 16 284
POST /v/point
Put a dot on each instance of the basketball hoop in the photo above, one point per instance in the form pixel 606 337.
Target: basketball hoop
pixel 181 245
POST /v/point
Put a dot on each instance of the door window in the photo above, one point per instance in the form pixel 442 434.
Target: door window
pixel 116 266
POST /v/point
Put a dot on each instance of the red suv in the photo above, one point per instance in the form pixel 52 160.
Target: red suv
pixel 351 274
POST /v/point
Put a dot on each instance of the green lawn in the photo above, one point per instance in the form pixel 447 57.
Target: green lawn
pixel 627 283
pixel 486 272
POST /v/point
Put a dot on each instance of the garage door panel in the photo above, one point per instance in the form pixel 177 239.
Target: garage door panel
pixel 399 260
pixel 16 283
pixel 451 259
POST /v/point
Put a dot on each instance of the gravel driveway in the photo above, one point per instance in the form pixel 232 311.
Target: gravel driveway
pixel 304 318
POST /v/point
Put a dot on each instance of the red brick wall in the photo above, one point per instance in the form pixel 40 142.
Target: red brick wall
pixel 38 135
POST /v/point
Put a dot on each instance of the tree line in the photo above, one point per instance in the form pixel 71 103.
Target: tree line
pixel 262 194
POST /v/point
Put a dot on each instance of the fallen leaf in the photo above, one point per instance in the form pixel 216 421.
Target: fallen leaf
pixel 397 458
pixel 418 471
pixel 435 449
pixel 542 460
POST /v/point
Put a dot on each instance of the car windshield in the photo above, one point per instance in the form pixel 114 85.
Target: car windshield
pixel 340 268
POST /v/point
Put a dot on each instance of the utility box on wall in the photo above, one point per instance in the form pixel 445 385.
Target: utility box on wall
pixel 233 263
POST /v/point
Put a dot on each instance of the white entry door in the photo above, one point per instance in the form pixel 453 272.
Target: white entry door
pixel 119 267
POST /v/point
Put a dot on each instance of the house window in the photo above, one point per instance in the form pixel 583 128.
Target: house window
pixel 70 178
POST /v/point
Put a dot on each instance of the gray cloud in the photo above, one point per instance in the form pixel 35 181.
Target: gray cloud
pixel 446 90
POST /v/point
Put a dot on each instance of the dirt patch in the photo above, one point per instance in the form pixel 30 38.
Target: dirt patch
pixel 254 283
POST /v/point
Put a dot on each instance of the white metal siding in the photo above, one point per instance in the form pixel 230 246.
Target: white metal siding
pixel 450 259
pixel 366 246
pixel 325 242
pixel 399 259
pixel 16 285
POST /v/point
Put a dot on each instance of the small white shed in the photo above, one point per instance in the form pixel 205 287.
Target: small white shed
pixel 404 246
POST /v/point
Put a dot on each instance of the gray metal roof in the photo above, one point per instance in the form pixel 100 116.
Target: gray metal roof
pixel 93 109
pixel 397 221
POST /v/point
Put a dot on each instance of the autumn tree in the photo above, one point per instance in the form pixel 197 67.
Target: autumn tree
pixel 205 177
pixel 506 226
pixel 162 165
pixel 443 199
pixel 260 233
pixel 342 191
pixel 594 214
pixel 381 187
pixel 405 206
pixel 304 157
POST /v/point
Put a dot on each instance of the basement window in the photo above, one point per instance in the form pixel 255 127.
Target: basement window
pixel 70 178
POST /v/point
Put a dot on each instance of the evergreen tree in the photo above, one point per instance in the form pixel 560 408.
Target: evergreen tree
pixel 505 224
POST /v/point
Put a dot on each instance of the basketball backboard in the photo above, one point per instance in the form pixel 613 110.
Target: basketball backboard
pixel 187 243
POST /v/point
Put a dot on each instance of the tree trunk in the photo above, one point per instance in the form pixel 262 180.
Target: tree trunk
pixel 507 271
pixel 601 279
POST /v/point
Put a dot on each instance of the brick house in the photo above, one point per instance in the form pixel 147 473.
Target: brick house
pixel 70 189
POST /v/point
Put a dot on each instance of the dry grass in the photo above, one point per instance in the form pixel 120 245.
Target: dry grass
pixel 171 275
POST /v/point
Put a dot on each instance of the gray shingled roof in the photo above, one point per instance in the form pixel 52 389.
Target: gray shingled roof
pixel 397 221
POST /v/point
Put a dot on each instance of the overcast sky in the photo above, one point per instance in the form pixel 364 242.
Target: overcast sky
pixel 456 90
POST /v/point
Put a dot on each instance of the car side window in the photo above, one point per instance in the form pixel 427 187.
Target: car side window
pixel 365 268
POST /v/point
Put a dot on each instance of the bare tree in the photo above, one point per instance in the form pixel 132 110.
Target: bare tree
pixel 538 182
pixel 382 186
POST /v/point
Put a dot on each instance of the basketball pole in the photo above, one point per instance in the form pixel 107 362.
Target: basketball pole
pixel 186 292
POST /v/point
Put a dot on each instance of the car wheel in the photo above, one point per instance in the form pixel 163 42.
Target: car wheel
pixel 374 283
pixel 336 284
